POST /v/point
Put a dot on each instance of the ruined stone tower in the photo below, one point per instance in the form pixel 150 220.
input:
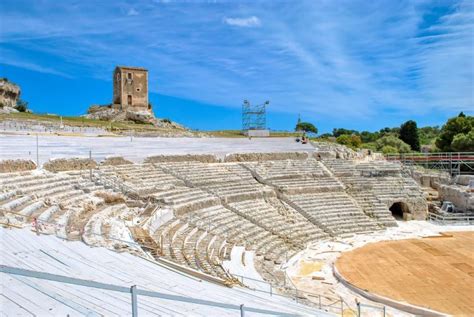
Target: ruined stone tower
pixel 131 89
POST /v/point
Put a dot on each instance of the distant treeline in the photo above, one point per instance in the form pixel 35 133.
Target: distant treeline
pixel 457 134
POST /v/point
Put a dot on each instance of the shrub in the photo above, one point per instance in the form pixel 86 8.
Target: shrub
pixel 352 141
pixel 21 105
pixel 394 142
pixel 388 149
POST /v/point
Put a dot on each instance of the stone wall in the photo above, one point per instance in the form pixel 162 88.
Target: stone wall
pixel 130 89
pixel 246 157
pixel 459 195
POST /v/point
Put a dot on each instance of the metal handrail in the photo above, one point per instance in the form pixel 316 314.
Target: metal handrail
pixel 271 286
pixel 451 219
pixel 134 291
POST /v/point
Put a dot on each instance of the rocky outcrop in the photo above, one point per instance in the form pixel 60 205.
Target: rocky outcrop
pixel 9 94
pixel 459 195
pixel 327 150
pixel 109 113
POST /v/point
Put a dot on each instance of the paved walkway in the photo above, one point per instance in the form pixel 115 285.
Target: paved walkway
pixel 136 149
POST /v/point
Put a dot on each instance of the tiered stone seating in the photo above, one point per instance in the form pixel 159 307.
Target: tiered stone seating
pixel 274 208
pixel 143 178
pixel 335 211
pixel 63 203
pixel 376 185
pixel 228 181
pixel 185 199
pixel 284 222
pixel 308 186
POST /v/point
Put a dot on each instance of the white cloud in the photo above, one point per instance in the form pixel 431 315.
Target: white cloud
pixel 132 12
pixel 249 22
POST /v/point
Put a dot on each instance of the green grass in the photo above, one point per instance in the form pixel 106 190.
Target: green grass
pixel 82 122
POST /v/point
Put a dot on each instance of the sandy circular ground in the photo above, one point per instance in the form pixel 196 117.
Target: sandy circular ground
pixel 433 272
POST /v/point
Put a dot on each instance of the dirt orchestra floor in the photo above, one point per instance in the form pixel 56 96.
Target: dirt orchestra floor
pixel 435 272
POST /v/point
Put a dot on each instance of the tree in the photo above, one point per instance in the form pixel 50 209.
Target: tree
pixel 21 105
pixel 352 141
pixel 394 142
pixel 409 135
pixel 367 136
pixel 325 136
pixel 306 127
pixel 338 132
pixel 454 126
pixel 463 142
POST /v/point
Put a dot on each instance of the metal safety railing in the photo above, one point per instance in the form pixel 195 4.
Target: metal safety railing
pixel 134 292
pixel 336 305
pixel 452 219
pixel 360 309
pixel 322 302
pixel 454 163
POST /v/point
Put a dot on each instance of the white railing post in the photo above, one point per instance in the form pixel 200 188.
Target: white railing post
pixel 242 310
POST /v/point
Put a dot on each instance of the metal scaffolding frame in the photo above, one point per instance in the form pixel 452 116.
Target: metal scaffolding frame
pixel 254 117
pixel 454 163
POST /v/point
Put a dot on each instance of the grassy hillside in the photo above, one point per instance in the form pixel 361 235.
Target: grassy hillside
pixel 83 122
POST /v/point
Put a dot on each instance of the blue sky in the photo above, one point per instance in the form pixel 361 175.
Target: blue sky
pixel 356 64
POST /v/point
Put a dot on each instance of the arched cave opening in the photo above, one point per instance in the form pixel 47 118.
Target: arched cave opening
pixel 398 209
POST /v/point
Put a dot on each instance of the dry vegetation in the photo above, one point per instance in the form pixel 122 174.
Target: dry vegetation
pixel 59 165
pixel 116 160
pixel 111 198
pixel 8 166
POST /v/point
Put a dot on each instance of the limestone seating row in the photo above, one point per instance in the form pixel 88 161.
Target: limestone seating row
pixel 338 214
pixel 238 191
pixel 199 174
pixel 269 170
pixel 185 199
pixel 188 245
pixel 228 181
pixel 374 207
pixel 63 204
pixel 292 227
pixel 144 178
pixel 295 186
pixel 94 233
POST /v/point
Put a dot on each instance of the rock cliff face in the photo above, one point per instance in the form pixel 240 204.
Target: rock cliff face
pixel 459 193
pixel 9 94
pixel 109 113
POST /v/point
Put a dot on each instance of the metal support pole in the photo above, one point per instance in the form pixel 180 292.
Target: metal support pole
pixel 342 306
pixel 242 310
pixel 384 311
pixel 37 153
pixel 358 309
pixel 133 291
pixel 90 165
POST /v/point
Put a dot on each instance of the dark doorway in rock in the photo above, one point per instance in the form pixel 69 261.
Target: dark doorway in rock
pixel 398 210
